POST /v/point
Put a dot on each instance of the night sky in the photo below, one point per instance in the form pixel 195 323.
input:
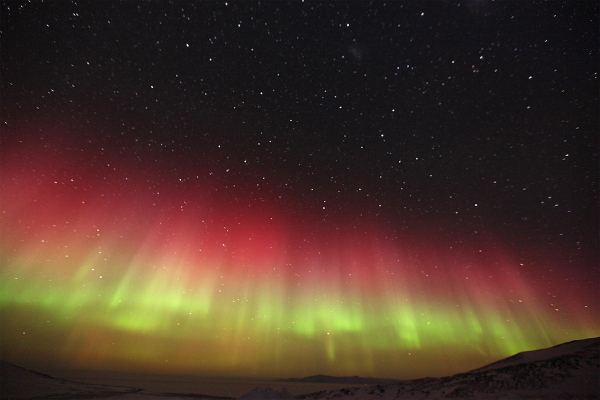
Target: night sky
pixel 277 189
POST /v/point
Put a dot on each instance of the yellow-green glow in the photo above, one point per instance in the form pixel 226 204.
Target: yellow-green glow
pixel 211 321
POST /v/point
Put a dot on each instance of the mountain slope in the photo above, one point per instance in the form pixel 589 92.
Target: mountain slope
pixel 559 350
pixel 18 383
pixel 567 371
pixel 21 383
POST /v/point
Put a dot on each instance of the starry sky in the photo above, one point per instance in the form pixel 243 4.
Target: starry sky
pixel 276 189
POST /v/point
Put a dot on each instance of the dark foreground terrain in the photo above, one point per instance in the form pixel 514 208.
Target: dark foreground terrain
pixel 570 371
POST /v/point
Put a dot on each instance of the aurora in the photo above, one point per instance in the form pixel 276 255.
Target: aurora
pixel 279 190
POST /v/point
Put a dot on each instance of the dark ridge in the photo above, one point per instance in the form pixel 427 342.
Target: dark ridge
pixel 341 380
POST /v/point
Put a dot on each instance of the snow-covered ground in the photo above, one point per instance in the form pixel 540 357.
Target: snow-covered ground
pixel 567 371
